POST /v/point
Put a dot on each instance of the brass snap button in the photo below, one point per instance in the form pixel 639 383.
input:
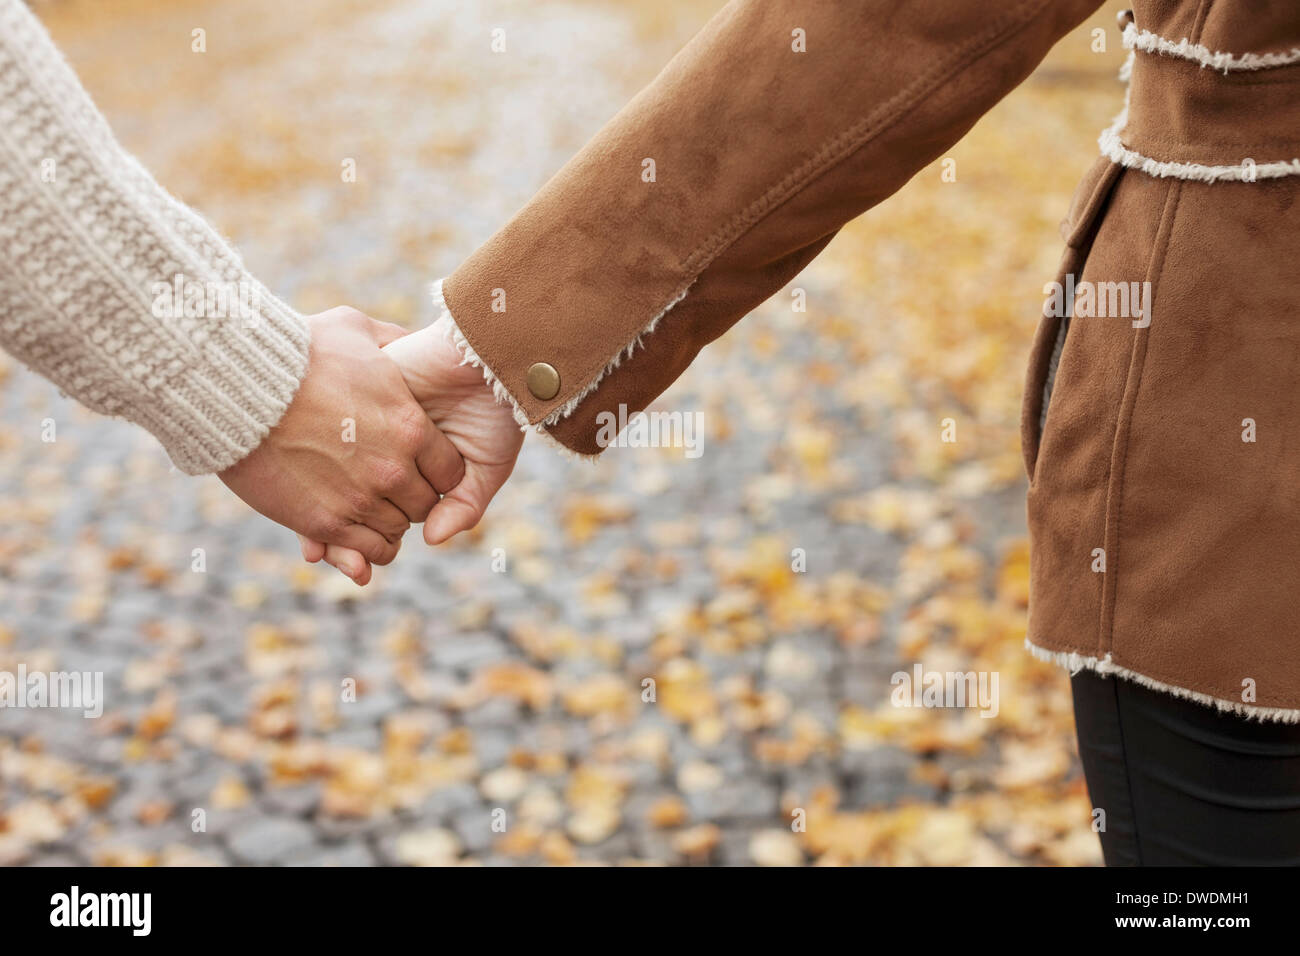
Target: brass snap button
pixel 543 381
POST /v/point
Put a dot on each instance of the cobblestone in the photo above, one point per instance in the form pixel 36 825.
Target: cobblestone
pixel 477 689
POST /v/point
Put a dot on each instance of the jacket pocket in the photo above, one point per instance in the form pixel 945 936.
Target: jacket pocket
pixel 1078 229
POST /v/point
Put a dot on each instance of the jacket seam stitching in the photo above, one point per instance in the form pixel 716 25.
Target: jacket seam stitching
pixel 1164 143
pixel 831 154
pixel 1085 219
pixel 848 142
pixel 1154 272
pixel 1110 591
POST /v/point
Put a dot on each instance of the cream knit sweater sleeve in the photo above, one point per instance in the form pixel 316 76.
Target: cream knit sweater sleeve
pixel 121 295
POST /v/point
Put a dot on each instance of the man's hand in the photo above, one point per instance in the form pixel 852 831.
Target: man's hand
pixel 355 458
pixel 459 402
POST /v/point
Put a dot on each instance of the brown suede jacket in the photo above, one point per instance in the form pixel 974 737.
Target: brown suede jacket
pixel 1164 501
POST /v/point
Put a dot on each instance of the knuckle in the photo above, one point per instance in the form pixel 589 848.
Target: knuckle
pixel 388 476
pixel 326 526
pixel 360 503
pixel 381 553
pixel 410 429
pixel 395 529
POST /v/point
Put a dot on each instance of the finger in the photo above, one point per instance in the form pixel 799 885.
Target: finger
pixel 349 562
pixel 414 499
pixel 438 467
pixel 385 332
pixel 440 463
pixel 387 519
pixel 312 551
pixel 463 507
pixel 372 545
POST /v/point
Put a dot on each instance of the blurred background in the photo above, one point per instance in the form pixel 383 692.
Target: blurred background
pixel 480 690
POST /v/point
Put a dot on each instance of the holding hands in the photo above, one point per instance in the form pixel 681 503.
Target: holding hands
pixel 387 429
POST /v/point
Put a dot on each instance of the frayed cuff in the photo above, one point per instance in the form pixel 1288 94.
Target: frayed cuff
pixel 503 395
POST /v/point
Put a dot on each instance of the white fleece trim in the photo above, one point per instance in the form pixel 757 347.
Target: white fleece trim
pixel 1126 70
pixel 1113 148
pixel 557 446
pixel 1184 49
pixel 1074 663
pixel 502 394
pixel 471 358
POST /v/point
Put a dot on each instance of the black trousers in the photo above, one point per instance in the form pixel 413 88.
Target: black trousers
pixel 1183 784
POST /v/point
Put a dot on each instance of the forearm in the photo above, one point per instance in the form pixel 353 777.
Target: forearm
pixel 760 154
pixel 90 251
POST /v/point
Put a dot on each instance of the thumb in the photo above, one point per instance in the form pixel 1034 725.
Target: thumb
pixel 461 508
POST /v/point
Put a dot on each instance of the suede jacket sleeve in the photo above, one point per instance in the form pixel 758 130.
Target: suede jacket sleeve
pixel 779 122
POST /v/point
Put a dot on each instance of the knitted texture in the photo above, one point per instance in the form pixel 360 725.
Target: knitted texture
pixel 120 294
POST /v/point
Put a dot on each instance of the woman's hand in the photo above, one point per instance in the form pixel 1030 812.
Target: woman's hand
pixel 461 406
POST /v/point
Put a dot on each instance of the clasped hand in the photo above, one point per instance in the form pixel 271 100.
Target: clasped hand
pixel 387 429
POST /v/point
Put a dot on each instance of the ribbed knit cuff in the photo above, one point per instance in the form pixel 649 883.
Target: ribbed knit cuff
pixel 121 295
pixel 215 413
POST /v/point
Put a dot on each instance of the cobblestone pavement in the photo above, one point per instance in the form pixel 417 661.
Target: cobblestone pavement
pixel 655 658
